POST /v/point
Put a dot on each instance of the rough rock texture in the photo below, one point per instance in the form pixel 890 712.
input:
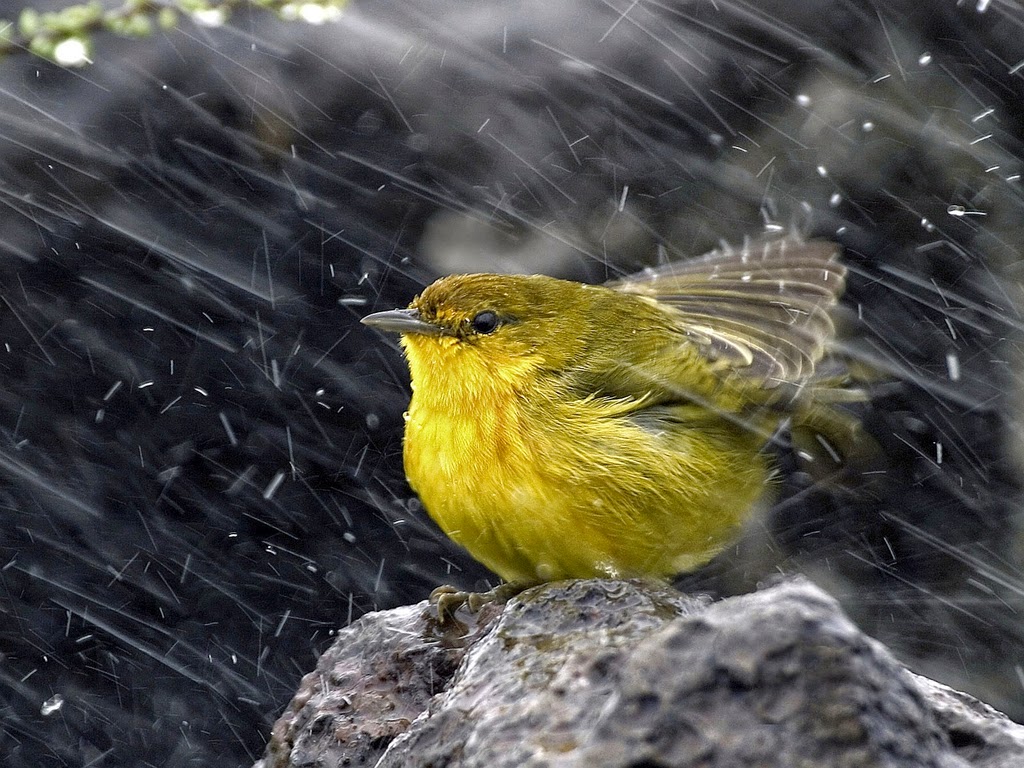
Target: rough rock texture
pixel 375 679
pixel 617 674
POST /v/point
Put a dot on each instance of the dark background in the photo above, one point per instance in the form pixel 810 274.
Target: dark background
pixel 200 447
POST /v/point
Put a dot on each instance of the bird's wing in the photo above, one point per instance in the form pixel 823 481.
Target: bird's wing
pixel 761 311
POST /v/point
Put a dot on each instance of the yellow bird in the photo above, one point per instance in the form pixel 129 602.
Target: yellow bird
pixel 561 430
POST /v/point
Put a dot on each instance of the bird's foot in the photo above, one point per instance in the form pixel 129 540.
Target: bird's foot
pixel 449 599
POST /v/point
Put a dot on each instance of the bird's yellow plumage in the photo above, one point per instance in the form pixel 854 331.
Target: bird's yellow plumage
pixel 559 430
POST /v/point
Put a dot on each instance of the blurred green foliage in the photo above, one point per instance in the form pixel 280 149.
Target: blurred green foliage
pixel 66 36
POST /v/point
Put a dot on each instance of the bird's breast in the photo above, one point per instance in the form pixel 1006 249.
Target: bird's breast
pixel 475 467
pixel 543 488
pixel 473 450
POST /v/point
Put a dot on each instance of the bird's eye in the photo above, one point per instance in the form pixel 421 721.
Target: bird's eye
pixel 485 322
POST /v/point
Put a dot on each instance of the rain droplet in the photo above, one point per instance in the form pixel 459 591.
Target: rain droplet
pixel 953 366
pixel 51 705
pixel 72 52
pixel 210 17
pixel 924 59
pixel 273 485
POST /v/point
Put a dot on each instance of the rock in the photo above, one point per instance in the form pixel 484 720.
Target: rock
pixel 368 687
pixel 616 674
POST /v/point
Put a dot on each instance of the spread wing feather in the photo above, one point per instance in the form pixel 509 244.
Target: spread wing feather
pixel 761 311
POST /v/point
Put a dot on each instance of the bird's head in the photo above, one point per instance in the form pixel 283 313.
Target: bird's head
pixel 480 330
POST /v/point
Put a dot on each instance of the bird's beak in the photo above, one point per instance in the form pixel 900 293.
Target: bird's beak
pixel 401 321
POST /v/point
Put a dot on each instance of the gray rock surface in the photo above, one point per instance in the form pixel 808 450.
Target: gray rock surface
pixel 617 674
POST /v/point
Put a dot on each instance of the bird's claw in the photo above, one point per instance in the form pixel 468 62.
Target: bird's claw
pixel 448 599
